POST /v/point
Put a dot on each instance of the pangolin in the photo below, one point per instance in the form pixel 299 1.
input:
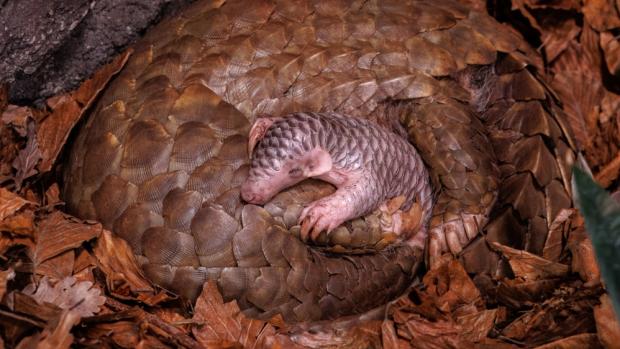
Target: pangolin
pixel 163 156
pixel 368 164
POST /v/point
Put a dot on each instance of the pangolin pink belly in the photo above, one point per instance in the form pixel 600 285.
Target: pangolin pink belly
pixel 162 159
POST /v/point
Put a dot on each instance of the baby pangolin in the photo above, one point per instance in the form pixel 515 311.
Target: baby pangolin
pixel 367 163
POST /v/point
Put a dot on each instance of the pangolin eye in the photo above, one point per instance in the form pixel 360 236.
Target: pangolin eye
pixel 296 172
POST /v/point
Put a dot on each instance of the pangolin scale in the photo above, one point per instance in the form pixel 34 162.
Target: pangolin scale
pixel 161 160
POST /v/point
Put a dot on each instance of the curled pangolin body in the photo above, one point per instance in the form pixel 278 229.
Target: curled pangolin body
pixel 386 164
pixel 161 160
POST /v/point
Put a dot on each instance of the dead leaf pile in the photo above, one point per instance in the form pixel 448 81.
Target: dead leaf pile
pixel 579 41
pixel 66 282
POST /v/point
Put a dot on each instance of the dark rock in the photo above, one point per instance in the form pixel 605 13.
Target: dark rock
pixel 47 47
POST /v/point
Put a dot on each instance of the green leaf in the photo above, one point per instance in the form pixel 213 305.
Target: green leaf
pixel 602 216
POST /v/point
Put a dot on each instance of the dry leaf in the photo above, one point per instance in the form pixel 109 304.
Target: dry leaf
pixel 55 129
pixel 584 340
pixel 555 239
pixel 520 294
pixel 577 81
pixel 611 50
pixel 450 285
pixel 557 33
pixel 123 276
pixel 18 118
pixel 28 158
pixel 389 337
pixel 52 195
pixel 59 232
pixel 529 266
pixel 5 276
pixel 476 326
pixel 124 334
pixel 568 313
pixel 223 324
pixel 27 305
pixel 551 4
pixel 601 14
pixel 60 336
pixel 21 224
pixel 422 333
pixel 584 259
pixel 68 294
pixel 57 267
pixel 338 333
pixel 607 325
pixel 11 203
pixel 609 172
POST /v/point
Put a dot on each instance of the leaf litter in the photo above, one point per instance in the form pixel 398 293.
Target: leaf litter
pixel 66 282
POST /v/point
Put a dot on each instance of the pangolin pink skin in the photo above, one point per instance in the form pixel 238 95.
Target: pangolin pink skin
pixel 367 163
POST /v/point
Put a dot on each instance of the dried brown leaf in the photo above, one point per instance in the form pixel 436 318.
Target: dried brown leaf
pixel 476 326
pixel 577 81
pixel 611 50
pixel 124 334
pixel 60 336
pixel 5 276
pixel 28 158
pixel 520 294
pixel 450 285
pixel 584 258
pixel 52 195
pixel 529 266
pixel 57 267
pixel 567 313
pixel 555 239
pixel 123 276
pixel 21 224
pixel 7 242
pixel 607 325
pixel 59 233
pixel 584 340
pixel 80 297
pixel 18 118
pixel 551 4
pixel 27 305
pixel 609 172
pixel 602 15
pixel 339 333
pixel 223 324
pixel 523 6
pixel 389 337
pixel 557 35
pixel 55 129
pixel 426 334
pixel 11 203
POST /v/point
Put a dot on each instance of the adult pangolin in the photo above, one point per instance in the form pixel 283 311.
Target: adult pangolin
pixel 162 159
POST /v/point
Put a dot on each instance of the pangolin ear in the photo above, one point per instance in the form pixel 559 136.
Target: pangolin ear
pixel 317 162
pixel 260 127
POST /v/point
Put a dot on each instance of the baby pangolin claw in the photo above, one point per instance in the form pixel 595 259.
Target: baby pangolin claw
pixel 320 215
